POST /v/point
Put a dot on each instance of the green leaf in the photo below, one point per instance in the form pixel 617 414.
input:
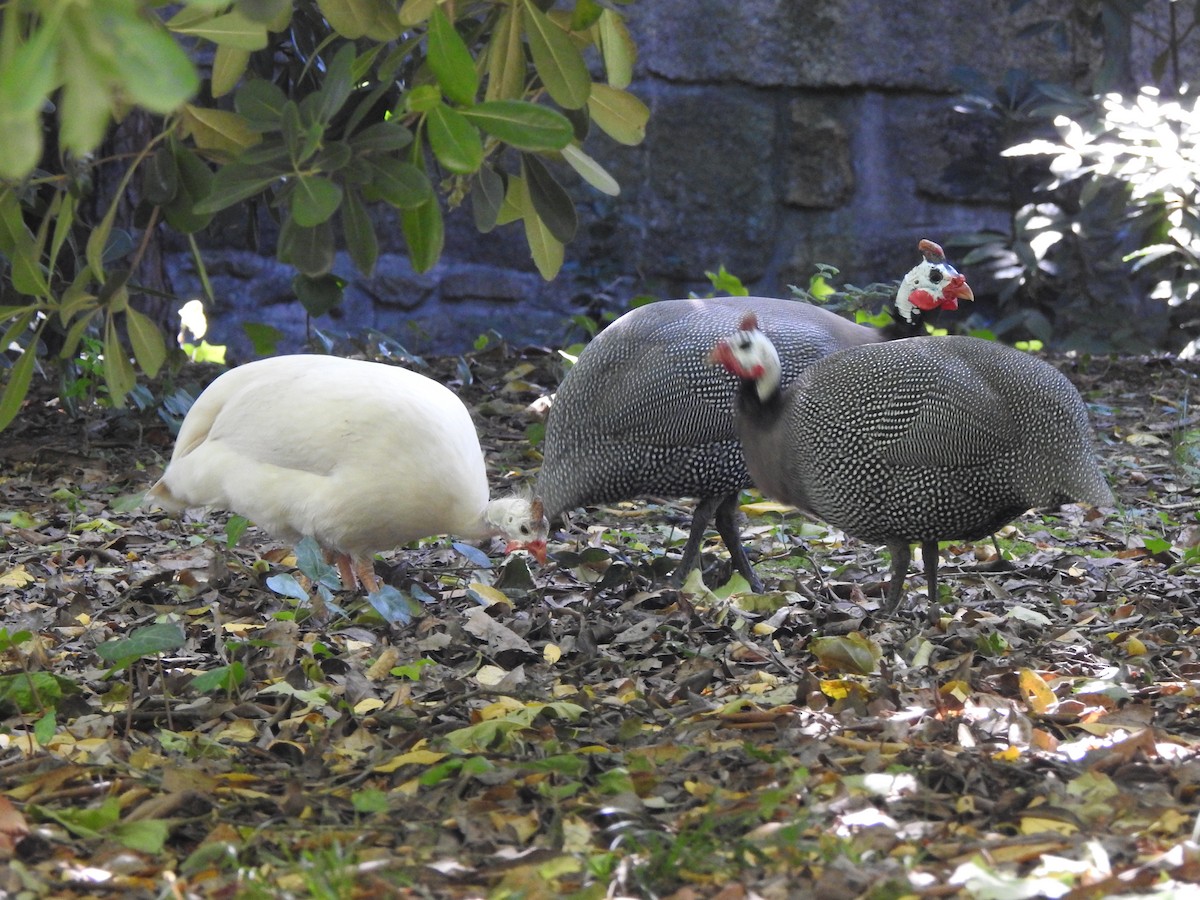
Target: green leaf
pixel 143 836
pixel 557 60
pixel 546 250
pixel 234 29
pixel 314 199
pixel 261 103
pixel 337 84
pixel 17 385
pixel 399 183
pixel 585 14
pixel 619 114
pixel 264 338
pixel 195 183
pixel 142 642
pixel 617 49
pixel 554 206
pixel 234 183
pixel 22 146
pixel 152 67
pixel 18 244
pixel 160 177
pixel 28 75
pixel 524 125
pixel 454 140
pixel 148 346
pixel 318 295
pixel 310 250
pixel 359 233
pixel 222 678
pixel 229 65
pixel 349 18
pixel 382 137
pixel 118 370
pixel 424 234
pixel 450 60
pixel 506 57
pixel 487 196
pixel 30 692
pixel 271 13
pixel 414 12
pixel 590 170
pixel 84 102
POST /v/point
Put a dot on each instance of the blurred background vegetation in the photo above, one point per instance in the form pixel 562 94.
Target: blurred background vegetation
pixel 126 121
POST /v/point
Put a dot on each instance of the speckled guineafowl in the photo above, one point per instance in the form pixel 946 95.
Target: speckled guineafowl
pixel 917 440
pixel 640 414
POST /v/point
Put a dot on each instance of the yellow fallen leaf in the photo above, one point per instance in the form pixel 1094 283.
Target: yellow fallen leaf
pixel 1036 692
pixel 1038 825
pixel 366 705
pixel 502 707
pixel 490 676
pixel 241 627
pixel 1135 647
pixel 16 578
pixel 1008 754
pixel 762 507
pixel 488 593
pixel 411 758
pixel 552 653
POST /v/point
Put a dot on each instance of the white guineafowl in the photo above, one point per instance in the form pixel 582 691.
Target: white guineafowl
pixel 641 415
pixel 913 441
pixel 359 456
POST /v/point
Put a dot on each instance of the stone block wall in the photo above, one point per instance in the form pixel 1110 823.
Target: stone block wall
pixel 783 133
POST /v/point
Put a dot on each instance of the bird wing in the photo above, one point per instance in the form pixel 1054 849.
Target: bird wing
pixel 951 400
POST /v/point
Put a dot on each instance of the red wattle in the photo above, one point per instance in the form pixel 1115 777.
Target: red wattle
pixel 923 300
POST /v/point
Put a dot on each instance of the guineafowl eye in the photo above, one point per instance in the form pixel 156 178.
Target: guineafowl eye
pixel 935 274
pixel 524 529
pixel 744 344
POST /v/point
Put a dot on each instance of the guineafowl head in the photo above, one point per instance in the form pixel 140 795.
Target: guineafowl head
pixel 522 523
pixel 932 284
pixel 750 355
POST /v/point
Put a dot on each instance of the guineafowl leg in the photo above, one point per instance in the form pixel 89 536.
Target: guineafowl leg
pixel 731 534
pixel 929 552
pixel 901 555
pixel 691 550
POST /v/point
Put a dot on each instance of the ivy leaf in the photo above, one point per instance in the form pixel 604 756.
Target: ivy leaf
pixel 141 643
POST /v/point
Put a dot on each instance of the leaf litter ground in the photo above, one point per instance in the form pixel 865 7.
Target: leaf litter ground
pixel 583 729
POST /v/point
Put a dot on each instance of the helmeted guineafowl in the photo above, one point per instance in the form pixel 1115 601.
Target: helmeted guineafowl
pixel 916 440
pixel 640 414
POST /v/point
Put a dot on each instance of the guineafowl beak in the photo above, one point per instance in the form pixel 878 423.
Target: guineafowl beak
pixel 536 549
pixel 959 289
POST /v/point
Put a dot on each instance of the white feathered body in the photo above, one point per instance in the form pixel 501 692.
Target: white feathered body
pixel 360 456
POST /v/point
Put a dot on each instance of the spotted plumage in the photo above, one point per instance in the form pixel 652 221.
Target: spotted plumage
pixel 641 414
pixel 913 441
